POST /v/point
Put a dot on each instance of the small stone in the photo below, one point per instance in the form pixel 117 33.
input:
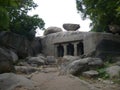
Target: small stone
pixel 90 74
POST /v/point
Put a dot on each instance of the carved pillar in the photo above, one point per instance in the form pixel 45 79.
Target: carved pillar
pixel 65 49
pixel 55 50
pixel 75 48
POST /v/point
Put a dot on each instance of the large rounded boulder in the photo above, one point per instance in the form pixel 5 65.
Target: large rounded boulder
pixel 11 81
pixel 51 30
pixel 6 61
pixel 78 66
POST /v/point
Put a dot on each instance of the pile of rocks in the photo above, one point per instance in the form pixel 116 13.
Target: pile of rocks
pixel 89 67
pixel 14 47
pixel 79 66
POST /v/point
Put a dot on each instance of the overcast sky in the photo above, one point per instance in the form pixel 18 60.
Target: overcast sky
pixel 57 12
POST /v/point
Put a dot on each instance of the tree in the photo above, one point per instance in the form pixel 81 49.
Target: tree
pixel 4 16
pixel 23 24
pixel 101 12
pixel 18 20
pixel 26 25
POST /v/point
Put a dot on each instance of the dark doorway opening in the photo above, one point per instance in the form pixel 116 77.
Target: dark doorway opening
pixel 60 51
pixel 70 49
pixel 80 48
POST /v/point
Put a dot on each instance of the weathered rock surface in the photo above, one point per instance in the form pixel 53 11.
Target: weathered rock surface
pixel 114 28
pixel 70 58
pixel 20 44
pixel 49 41
pixel 113 71
pixel 10 81
pixel 23 63
pixel 50 60
pixel 37 61
pixel 90 74
pixel 41 56
pixel 95 62
pixel 67 59
pixel 51 30
pixel 109 48
pixel 14 56
pixel 118 63
pixel 95 44
pixel 6 61
pixel 74 68
pixel 25 69
pixel 116 59
pixel 16 42
pixel 78 66
pixel 36 46
pixel 71 27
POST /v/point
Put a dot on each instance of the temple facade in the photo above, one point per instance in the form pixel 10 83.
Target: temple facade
pixel 78 43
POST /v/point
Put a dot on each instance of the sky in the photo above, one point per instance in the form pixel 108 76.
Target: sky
pixel 58 12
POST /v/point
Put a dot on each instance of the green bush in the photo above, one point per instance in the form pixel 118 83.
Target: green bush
pixel 103 74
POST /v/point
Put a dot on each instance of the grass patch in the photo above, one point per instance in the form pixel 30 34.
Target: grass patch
pixel 116 81
pixel 103 74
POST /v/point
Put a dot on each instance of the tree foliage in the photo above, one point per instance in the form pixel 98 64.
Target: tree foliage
pixel 23 24
pixel 101 12
pixel 4 16
pixel 16 18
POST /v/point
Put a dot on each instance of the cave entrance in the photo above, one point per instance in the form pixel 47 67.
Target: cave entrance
pixel 60 50
pixel 70 49
pixel 80 48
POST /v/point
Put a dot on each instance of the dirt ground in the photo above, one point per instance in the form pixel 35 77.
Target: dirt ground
pixel 49 79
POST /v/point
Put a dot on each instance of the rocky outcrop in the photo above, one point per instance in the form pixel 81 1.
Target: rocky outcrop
pixel 17 43
pixel 6 60
pixel 10 81
pixel 95 44
pixel 36 46
pixel 107 48
pixel 71 27
pixel 20 44
pixel 78 66
pixel 51 30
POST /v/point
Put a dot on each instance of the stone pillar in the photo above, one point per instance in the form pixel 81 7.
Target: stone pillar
pixel 75 48
pixel 55 50
pixel 65 49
